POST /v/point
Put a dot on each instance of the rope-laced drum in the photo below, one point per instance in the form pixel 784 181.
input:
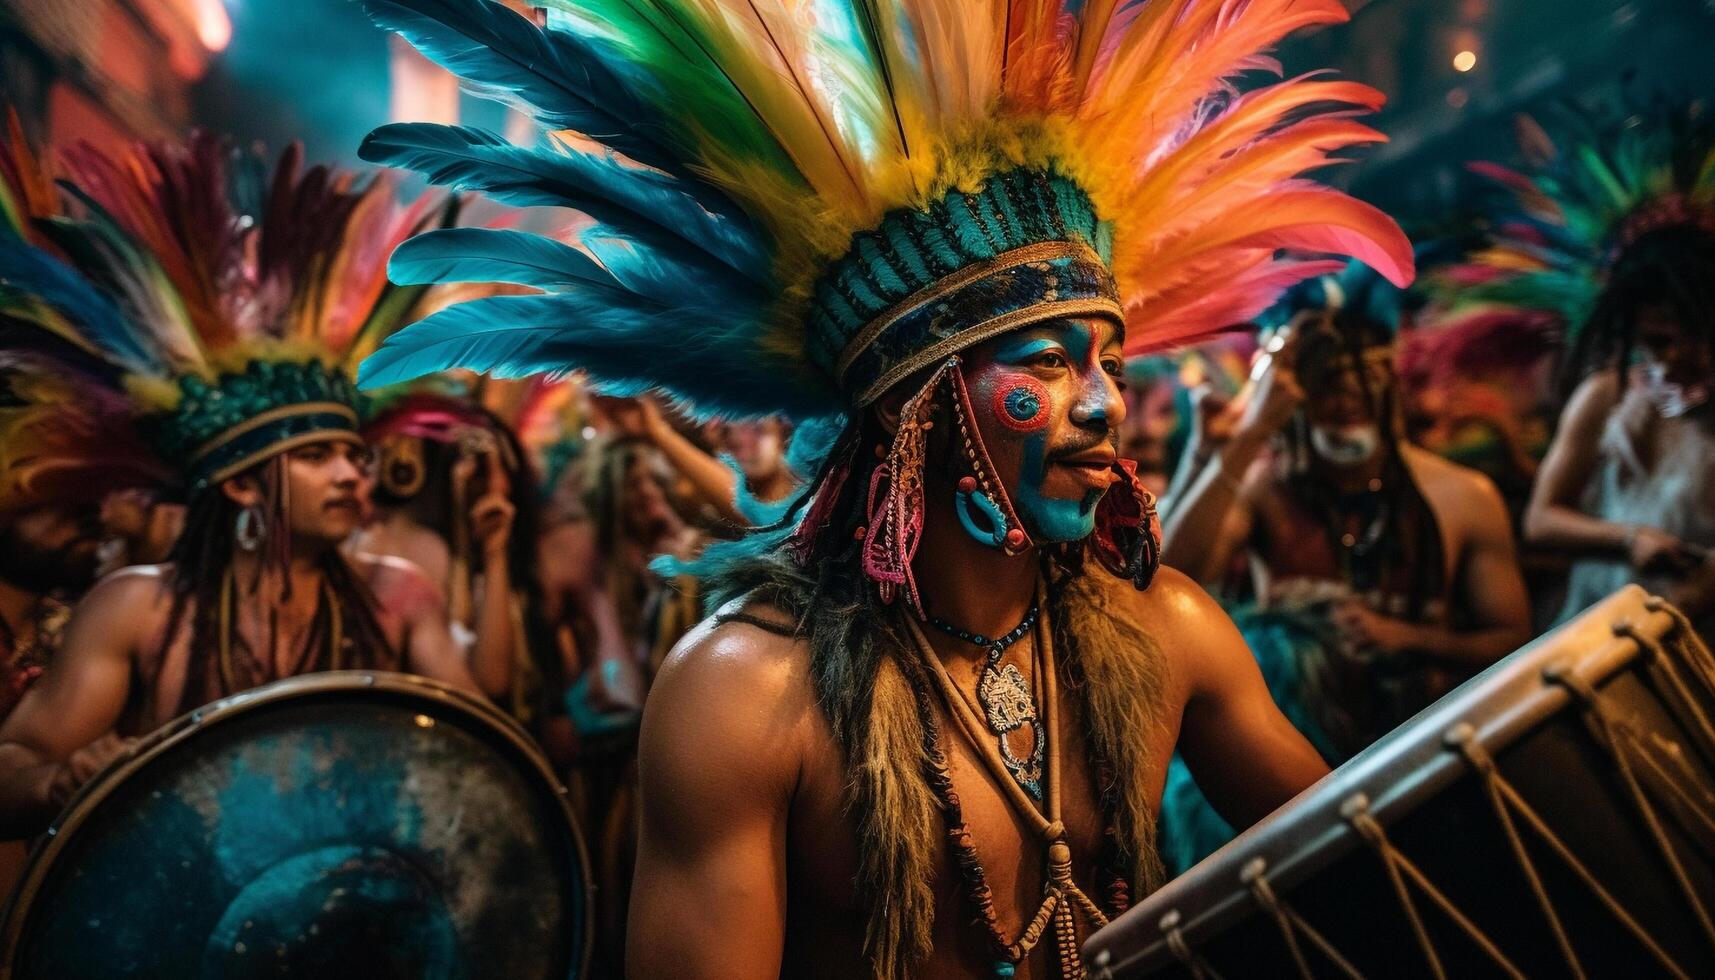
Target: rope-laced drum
pixel 1555 816
pixel 331 825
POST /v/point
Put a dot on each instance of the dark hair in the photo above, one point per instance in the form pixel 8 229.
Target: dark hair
pixel 432 507
pixel 521 557
pixel 1670 268
pixel 819 580
pixel 203 554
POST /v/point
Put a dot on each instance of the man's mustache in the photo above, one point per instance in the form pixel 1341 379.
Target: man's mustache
pixel 1067 451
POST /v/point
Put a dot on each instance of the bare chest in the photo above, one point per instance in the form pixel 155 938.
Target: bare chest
pixel 825 924
pixel 197 660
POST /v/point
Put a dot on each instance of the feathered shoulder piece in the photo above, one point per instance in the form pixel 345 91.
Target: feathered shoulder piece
pixel 1590 191
pixel 797 204
pixel 226 302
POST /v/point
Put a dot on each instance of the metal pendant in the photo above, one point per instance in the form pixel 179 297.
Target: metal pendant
pixel 1008 706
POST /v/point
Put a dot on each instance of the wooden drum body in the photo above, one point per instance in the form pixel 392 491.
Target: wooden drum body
pixel 1554 816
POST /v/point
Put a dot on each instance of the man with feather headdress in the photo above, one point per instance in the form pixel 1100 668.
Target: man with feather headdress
pixel 925 731
pixel 1615 239
pixel 1384 575
pixel 208 308
pixel 1404 560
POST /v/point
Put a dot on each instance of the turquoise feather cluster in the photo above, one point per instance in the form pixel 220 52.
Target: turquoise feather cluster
pixel 1361 291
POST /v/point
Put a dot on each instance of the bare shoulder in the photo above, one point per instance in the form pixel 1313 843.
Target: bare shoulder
pixel 733 694
pixel 1194 633
pixel 136 590
pixel 399 585
pixel 1599 392
pixel 122 612
pixel 1452 487
pixel 723 658
pixel 1175 608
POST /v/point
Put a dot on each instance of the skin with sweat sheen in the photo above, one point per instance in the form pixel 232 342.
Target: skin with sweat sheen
pixel 1047 403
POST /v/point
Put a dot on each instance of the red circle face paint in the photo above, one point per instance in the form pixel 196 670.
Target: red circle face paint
pixel 1021 403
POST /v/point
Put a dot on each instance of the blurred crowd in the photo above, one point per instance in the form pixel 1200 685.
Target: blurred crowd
pixel 1389 491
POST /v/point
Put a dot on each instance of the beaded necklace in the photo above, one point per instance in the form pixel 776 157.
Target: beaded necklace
pixel 1063 901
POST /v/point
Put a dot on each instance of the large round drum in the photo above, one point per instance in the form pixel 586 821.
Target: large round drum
pixel 1554 816
pixel 344 824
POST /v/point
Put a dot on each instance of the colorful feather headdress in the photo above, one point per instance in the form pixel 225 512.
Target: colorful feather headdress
pixel 1561 228
pixel 223 308
pixel 798 204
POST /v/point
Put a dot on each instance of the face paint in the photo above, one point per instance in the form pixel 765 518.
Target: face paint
pixel 1346 445
pixel 1051 520
pixel 1670 398
pixel 1023 404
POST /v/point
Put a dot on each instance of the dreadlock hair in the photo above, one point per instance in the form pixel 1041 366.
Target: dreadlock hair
pixel 1411 537
pixel 1671 269
pixel 858 655
pixel 201 559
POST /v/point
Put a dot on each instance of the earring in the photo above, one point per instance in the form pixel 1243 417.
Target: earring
pixel 249 528
pixel 982 493
pixel 992 529
pixel 893 512
pixel 402 468
pixel 1127 541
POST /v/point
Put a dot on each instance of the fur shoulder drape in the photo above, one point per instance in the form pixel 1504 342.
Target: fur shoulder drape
pixel 1108 660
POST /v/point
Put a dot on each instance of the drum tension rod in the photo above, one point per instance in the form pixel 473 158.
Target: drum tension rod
pixel 1615 736
pixel 1182 951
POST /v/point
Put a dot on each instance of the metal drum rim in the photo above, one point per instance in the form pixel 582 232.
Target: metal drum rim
pixel 152 746
pixel 1207 902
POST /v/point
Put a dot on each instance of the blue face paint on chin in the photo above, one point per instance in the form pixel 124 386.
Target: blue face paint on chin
pixel 1050 520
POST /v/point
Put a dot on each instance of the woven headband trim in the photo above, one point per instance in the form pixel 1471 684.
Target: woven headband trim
pixel 270 416
pixel 980 332
pixel 287 444
pixel 948 285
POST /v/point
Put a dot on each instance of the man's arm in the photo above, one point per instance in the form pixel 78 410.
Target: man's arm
pixel 1207 524
pixel 1245 756
pixel 53 741
pixel 1494 601
pixel 714 482
pixel 1203 526
pixel 430 650
pixel 717 763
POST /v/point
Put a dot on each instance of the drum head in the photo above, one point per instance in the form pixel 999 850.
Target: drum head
pixel 372 826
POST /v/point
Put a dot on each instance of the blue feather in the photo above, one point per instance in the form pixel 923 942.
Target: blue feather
pixel 37 276
pixel 620 346
pixel 556 74
pixel 495 255
pixel 646 205
pixel 654 273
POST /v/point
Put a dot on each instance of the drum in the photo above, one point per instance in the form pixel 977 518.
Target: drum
pixel 1554 816
pixel 346 824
